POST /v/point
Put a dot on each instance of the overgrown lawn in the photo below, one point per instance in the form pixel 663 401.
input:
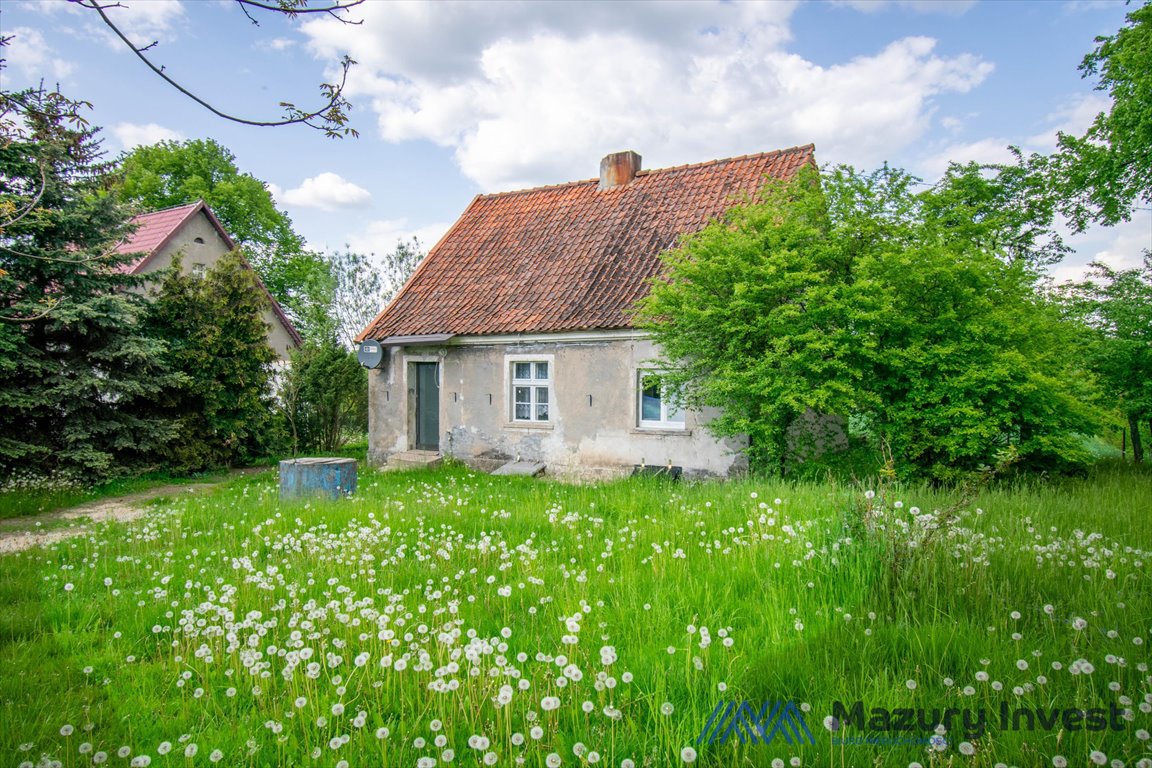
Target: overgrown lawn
pixel 456 618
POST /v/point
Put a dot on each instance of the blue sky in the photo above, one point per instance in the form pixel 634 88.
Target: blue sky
pixel 452 100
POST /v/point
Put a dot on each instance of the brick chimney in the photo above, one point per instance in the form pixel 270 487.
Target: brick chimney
pixel 618 170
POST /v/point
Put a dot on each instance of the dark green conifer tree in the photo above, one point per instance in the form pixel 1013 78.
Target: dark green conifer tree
pixel 75 360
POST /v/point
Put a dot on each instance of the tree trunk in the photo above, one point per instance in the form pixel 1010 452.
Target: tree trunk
pixel 1137 444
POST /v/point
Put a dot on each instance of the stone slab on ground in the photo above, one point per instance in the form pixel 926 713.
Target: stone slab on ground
pixel 521 469
pixel 414 460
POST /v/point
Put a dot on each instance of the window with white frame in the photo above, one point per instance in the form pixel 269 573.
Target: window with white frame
pixel 531 390
pixel 658 405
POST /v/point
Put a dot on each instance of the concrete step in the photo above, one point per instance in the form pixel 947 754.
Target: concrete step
pixel 414 460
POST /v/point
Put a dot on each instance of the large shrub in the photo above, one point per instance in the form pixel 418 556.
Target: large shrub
pixel 324 397
pixel 852 295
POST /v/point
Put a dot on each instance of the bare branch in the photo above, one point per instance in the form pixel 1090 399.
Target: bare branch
pixel 292 8
pixel 330 118
pixel 51 305
pixel 251 18
pixel 32 204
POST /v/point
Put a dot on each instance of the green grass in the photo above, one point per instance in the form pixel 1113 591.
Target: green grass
pixel 37 496
pixel 189 625
pixel 33 495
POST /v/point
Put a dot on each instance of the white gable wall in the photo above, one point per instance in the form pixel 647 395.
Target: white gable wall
pixel 204 255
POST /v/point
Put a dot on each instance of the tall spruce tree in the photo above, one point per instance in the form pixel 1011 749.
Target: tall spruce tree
pixel 75 361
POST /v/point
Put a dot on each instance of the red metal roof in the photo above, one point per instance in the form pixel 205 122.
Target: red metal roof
pixel 156 229
pixel 568 257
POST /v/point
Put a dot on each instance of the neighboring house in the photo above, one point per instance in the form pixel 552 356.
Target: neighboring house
pixel 194 232
pixel 514 338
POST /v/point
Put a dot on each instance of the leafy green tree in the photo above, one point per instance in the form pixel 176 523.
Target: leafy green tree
pixel 852 295
pixel 218 340
pixel 179 172
pixel 361 285
pixel 76 364
pixel 1005 210
pixel 754 314
pixel 324 398
pixel 1117 305
pixel 1102 175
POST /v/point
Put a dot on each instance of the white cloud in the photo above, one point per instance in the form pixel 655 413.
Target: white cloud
pixel 134 135
pixel 30 53
pixel 1120 247
pixel 276 44
pixel 381 236
pixel 983 151
pixel 1072 117
pixel 946 7
pixel 529 94
pixel 1123 245
pixel 144 21
pixel 1077 6
pixel 327 191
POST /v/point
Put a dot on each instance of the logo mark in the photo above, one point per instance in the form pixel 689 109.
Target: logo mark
pixel 738 719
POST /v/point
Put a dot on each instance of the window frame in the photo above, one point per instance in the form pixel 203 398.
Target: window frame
pixel 664 422
pixel 534 385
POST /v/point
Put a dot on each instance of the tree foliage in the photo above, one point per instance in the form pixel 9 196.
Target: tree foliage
pixel 324 398
pixel 1103 174
pixel 179 172
pixel 218 339
pixel 361 285
pixel 1005 210
pixel 76 364
pixel 852 295
pixel 1117 306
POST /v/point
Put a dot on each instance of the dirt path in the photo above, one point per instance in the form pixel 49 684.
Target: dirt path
pixel 20 533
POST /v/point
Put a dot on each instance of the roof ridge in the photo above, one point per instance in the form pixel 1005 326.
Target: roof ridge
pixel 193 204
pixel 810 147
pixel 790 150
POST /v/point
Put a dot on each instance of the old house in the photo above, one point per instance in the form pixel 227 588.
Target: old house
pixel 514 338
pixel 195 233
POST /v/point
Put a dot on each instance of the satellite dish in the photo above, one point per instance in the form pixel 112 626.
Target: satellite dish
pixel 370 354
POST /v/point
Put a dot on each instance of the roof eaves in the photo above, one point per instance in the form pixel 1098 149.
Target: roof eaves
pixel 370 328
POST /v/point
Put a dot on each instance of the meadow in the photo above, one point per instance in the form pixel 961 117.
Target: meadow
pixel 453 618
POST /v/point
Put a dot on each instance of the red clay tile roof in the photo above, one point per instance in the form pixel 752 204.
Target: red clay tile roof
pixel 568 257
pixel 156 229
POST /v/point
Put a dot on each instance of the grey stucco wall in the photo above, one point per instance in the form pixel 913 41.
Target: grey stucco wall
pixel 208 253
pixel 593 430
